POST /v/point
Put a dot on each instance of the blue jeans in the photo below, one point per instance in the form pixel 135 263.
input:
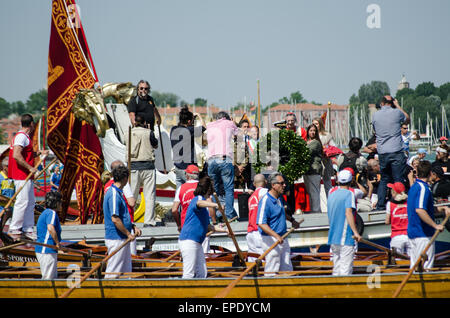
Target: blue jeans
pixel 392 169
pixel 222 174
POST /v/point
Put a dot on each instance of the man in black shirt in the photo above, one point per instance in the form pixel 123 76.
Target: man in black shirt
pixel 144 105
pixel 440 186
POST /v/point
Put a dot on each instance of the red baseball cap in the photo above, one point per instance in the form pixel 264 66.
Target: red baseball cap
pixel 351 170
pixel 192 169
pixel 443 138
pixel 397 186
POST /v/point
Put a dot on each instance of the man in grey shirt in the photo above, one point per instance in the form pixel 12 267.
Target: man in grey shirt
pixel 387 126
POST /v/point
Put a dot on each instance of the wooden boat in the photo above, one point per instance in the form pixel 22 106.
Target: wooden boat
pixel 286 285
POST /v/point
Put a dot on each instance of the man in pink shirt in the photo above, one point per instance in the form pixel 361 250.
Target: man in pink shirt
pixel 220 135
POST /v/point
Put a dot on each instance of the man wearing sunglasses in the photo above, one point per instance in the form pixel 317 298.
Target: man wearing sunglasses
pixel 144 105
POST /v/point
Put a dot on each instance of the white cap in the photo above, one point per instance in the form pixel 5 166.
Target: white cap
pixel 344 176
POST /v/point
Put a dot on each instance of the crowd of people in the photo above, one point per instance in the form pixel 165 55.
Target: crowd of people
pixel 386 178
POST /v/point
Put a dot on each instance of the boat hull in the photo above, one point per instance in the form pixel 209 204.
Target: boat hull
pixel 427 285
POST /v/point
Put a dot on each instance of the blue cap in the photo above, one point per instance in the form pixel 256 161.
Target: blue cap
pixel 421 150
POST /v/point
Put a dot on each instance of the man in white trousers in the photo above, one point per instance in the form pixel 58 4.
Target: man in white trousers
pixel 118 225
pixel 21 164
pixel 341 207
pixel 271 221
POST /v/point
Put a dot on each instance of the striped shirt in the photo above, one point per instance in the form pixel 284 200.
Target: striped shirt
pixel 271 212
pixel 114 204
pixel 419 197
pixel 47 217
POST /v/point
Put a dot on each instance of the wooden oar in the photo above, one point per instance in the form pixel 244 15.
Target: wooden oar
pixel 62 248
pixel 385 249
pixel 230 231
pixel 228 289
pixel 162 149
pixel 96 267
pixel 7 247
pixel 411 270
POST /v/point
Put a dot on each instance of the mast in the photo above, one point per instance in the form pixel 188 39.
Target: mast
pixel 259 107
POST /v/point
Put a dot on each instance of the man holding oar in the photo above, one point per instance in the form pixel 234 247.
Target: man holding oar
pixel 49 232
pixel 21 164
pixel 421 223
pixel 271 220
pixel 118 225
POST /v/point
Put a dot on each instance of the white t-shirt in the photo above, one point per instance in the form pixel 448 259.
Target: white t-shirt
pixel 21 139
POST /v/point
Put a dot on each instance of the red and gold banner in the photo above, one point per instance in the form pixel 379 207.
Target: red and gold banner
pixel 73 141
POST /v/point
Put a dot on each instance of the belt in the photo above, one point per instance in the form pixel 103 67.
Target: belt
pixel 223 157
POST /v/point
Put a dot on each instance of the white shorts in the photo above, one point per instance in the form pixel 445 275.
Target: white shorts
pixel 342 256
pixel 254 244
pixel 401 244
pixel 121 261
pixel 279 258
pixel 418 244
pixel 194 263
pixel 48 264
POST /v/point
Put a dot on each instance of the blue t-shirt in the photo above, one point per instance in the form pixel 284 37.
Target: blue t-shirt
pixel 56 179
pixel 271 212
pixel 114 204
pixel 196 222
pixel 340 232
pixel 419 197
pixel 49 216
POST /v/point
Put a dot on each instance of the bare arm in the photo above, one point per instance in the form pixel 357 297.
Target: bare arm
pixel 351 222
pixel 175 214
pixel 428 220
pixel 266 228
pixel 17 155
pixel 132 118
pixel 119 225
pixel 407 121
pixel 157 116
pixel 51 229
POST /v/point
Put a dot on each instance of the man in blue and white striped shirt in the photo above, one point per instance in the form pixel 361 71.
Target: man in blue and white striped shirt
pixel 48 231
pixel 421 216
pixel 340 207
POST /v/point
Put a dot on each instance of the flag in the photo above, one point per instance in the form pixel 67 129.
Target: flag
pixel 73 141
pixel 324 118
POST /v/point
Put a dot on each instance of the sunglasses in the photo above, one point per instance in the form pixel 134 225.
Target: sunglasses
pixel 279 183
pixel 143 88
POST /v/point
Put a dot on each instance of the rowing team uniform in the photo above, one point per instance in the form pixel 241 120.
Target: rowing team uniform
pixel 399 226
pixel 254 241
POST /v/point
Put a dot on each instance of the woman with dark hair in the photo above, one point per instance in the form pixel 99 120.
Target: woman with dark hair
pixel 182 139
pixel 314 175
pixel 327 140
pixel 196 225
pixel 48 231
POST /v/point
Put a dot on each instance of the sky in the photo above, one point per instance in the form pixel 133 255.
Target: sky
pixel 218 50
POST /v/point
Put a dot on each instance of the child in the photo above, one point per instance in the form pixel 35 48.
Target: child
pixel 397 216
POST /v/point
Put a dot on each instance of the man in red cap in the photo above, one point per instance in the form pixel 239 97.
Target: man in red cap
pixel 184 195
pixel 397 216
pixel 443 144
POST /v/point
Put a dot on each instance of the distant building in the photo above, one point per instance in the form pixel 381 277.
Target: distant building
pixel 403 83
pixel 10 127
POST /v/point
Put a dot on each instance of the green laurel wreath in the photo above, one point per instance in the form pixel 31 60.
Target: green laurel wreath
pixel 295 157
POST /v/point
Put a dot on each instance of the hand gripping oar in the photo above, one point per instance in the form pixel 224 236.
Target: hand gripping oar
pixel 405 280
pixel 238 250
pixel 228 289
pixel 96 267
pixel 26 180
pixel 384 249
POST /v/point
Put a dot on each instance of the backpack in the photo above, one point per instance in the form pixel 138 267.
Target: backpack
pixel 349 162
